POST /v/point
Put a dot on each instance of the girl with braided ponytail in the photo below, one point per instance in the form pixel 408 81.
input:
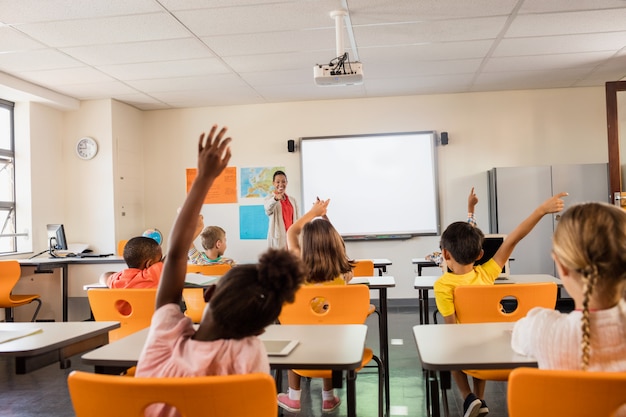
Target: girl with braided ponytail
pixel 589 249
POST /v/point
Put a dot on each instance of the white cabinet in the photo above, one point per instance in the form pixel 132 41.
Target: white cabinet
pixel 516 191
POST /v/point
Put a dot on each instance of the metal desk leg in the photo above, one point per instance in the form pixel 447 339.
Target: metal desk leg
pixel 384 345
pixel 64 289
pixel 433 384
pixel 351 393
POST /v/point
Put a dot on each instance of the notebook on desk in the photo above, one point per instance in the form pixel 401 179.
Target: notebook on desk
pixel 279 347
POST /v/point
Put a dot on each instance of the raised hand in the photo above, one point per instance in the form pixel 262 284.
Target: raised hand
pixel 213 153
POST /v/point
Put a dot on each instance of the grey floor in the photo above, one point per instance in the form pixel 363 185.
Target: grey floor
pixel 44 392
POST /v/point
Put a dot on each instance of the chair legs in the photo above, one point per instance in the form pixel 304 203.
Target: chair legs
pixel 8 312
pixel 36 309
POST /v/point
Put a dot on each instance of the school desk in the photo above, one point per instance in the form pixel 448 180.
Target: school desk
pixel 425 283
pixel 423 263
pixel 312 352
pixel 55 342
pixel 449 347
pixel 46 265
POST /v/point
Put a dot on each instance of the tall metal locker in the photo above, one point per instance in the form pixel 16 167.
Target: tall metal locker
pixel 514 192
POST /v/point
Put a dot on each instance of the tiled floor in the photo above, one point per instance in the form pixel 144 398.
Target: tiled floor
pixel 44 392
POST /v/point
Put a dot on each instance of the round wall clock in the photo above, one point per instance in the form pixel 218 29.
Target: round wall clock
pixel 86 148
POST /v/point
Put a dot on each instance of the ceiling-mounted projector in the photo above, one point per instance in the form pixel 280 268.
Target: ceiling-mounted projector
pixel 340 71
pixel 351 73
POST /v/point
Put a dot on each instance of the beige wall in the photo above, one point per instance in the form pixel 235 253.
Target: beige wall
pixel 486 130
pixel 152 149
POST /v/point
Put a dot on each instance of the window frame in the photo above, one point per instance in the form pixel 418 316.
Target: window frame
pixel 9 155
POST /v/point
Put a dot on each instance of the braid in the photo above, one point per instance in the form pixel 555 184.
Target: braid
pixel 590 275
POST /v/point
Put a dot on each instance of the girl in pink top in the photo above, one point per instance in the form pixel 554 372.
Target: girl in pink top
pixel 246 300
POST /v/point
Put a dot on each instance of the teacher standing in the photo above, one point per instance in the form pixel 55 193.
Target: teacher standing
pixel 282 211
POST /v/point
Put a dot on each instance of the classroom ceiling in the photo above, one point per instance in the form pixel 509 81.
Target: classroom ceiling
pixel 161 54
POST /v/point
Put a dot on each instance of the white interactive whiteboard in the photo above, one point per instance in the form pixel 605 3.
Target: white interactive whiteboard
pixel 381 186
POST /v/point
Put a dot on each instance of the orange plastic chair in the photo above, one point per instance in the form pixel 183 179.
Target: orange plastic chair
pixel 105 305
pixel 96 395
pixel 10 272
pixel 347 304
pixel 363 268
pixel 220 269
pixel 120 247
pixel 483 304
pixel 194 303
pixel 548 393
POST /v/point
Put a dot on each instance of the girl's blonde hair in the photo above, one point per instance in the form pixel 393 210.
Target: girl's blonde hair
pixel 590 239
pixel 323 251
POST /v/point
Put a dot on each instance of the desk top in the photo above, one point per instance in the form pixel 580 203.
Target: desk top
pixel 447 347
pixel 313 350
pixel 375 282
pixel 426 282
pixel 423 262
pixel 67 261
pixel 53 335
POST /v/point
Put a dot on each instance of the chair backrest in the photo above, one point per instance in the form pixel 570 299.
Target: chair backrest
pixel 132 307
pixel 96 395
pixel 10 272
pixel 347 304
pixel 483 303
pixel 194 303
pixel 548 393
pixel 120 247
pixel 363 268
pixel 219 269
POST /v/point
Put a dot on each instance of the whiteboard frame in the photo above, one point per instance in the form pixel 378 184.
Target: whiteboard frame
pixel 329 170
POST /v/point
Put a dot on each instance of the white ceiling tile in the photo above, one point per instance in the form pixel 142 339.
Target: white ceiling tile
pixel 12 41
pixel 428 32
pixel 78 75
pixel 595 21
pixel 272 42
pixel 546 62
pixel 28 11
pixel 165 69
pixel 93 91
pixel 143 27
pixel 39 59
pixel 543 6
pixel 610 41
pixel 135 52
pixel 390 55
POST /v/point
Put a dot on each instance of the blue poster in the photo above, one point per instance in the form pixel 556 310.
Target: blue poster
pixel 253 222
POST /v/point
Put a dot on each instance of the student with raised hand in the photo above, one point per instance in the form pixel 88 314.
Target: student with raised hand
pixel 324 254
pixel 589 250
pixel 472 200
pixel 282 211
pixel 242 304
pixel 461 244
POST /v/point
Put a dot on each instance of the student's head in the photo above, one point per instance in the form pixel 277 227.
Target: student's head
pixel 463 241
pixel 250 297
pixel 212 237
pixel 280 180
pixel 589 244
pixel 323 251
pixel 141 252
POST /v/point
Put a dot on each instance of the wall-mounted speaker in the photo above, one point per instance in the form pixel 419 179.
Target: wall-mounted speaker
pixel 291 145
pixel 444 138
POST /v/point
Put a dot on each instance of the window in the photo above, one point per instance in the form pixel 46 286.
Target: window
pixel 8 237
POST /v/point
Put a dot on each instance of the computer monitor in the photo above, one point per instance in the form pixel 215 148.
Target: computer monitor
pixel 490 246
pixel 56 238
